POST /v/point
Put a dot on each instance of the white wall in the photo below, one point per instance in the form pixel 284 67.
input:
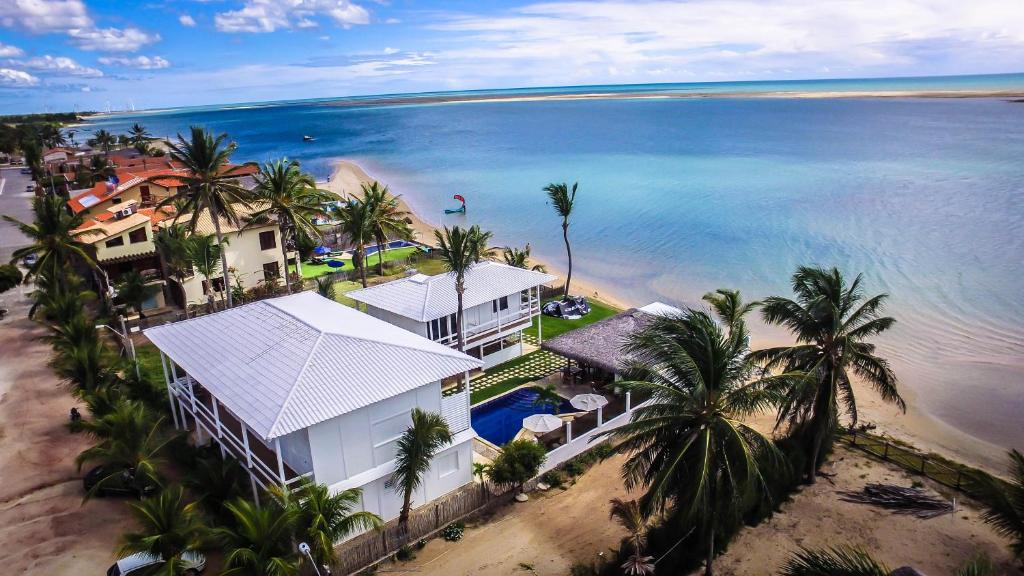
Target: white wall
pixel 511 351
pixel 398 320
pixel 245 256
pixel 295 451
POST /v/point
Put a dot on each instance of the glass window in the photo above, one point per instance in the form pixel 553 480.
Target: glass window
pixel 267 240
pixel 136 236
pixel 114 242
pixel 503 303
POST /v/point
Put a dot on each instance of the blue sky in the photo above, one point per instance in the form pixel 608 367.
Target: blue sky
pixel 63 54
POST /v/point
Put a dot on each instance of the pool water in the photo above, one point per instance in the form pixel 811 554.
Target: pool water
pixel 499 420
pixel 391 246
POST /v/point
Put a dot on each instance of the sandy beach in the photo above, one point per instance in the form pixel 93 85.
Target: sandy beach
pixel 914 427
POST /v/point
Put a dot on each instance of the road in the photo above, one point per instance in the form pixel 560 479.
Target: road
pixel 15 201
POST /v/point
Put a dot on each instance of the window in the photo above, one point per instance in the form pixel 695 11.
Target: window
pixel 218 284
pixel 144 192
pixel 115 242
pixel 267 240
pixel 136 236
pixel 499 304
pixel 271 270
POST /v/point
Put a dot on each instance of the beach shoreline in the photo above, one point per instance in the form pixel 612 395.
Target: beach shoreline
pixel 916 427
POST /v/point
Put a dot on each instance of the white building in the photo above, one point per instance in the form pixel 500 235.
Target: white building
pixel 304 387
pixel 500 301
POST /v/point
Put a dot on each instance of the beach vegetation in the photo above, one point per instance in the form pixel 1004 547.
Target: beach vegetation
pixel 520 258
pixel 206 254
pixel 168 526
pixel 416 448
pixel 1003 502
pixel 138 134
pixel 259 541
pixel 104 139
pixel 53 238
pixel 459 249
pixel 10 276
pixel 729 306
pixel 832 321
pixel 210 186
pixel 629 515
pixel 355 222
pixel 323 518
pixel 387 219
pixel 133 290
pixel 518 461
pixel 563 199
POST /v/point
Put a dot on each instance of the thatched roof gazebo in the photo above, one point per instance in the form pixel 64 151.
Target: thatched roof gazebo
pixel 600 344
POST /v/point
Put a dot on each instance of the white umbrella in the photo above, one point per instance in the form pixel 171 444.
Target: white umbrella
pixel 542 423
pixel 588 402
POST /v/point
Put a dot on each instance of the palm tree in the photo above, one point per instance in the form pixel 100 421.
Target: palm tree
pixel 211 185
pixel 520 258
pixel 131 443
pixel 849 561
pixel 285 193
pixel 55 239
pixel 355 219
pixel 134 291
pixel 831 322
pixel 207 256
pixel 105 140
pixel 689 446
pixel 562 199
pixel 138 134
pixel 629 515
pixel 172 243
pixel 259 543
pixel 387 219
pixel 460 249
pixel 85 364
pixel 214 481
pixel 729 306
pixel 324 518
pixel 325 287
pixel 1004 502
pixel 416 447
pixel 168 527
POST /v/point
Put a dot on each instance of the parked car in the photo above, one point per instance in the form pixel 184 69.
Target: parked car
pixel 31 187
pixel 26 170
pixel 30 260
pixel 194 562
pixel 119 485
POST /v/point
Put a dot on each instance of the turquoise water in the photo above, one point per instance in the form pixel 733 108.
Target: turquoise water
pixel 681 196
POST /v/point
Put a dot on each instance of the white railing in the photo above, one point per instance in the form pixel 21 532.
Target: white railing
pixel 455 410
pixel 580 444
pixel 497 324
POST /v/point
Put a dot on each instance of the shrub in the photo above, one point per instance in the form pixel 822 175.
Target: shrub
pixel 10 277
pixel 518 462
pixel 553 478
pixel 405 553
pixel 454 531
pixel 580 569
pixel 574 468
pixel 603 451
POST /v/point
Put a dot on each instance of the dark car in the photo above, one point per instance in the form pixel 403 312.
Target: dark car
pixel 26 170
pixel 118 484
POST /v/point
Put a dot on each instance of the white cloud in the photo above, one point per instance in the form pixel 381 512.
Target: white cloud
pixel 8 51
pixel 58 65
pixel 112 39
pixel 270 15
pixel 17 78
pixel 187 21
pixel 389 51
pixel 41 16
pixel 140 62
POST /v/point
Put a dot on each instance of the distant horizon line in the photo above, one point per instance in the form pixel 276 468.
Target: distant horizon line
pixel 567 89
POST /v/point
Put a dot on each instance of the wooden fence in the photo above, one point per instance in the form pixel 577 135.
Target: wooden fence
pixel 371 547
pixel 956 477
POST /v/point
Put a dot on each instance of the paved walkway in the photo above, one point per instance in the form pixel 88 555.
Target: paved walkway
pixel 534 365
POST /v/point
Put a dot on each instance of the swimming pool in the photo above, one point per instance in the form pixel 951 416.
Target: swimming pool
pixel 392 245
pixel 499 420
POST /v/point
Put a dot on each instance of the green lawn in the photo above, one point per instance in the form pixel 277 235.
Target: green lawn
pixel 314 270
pixel 149 361
pixel 554 326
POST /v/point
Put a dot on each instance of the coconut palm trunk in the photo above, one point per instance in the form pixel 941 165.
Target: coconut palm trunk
pixel 223 254
pixel 568 253
pixel 460 290
pixel 284 258
pixel 359 259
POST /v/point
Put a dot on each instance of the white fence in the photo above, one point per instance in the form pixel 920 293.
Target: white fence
pixel 581 443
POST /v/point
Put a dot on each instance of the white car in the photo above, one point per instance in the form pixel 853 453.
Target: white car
pixel 194 561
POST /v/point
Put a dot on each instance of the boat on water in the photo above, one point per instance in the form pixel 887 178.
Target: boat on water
pixel 308 138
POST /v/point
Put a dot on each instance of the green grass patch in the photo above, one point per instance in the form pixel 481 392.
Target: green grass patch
pixel 554 326
pixel 149 361
pixel 314 270
pixel 499 388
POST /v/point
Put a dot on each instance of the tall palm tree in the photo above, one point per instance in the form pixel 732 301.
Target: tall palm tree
pixel 131 442
pixel 105 140
pixel 134 291
pixel 286 194
pixel 387 219
pixel 416 447
pixel 831 321
pixel 210 185
pixel 459 249
pixel 325 287
pixel 55 239
pixel 138 134
pixel 214 481
pixel 629 515
pixel 172 243
pixel 1004 502
pixel 849 561
pixel 520 258
pixel 563 199
pixel 324 518
pixel 689 447
pixel 207 256
pixel 259 543
pixel 354 221
pixel 729 306
pixel 168 527
pixel 85 364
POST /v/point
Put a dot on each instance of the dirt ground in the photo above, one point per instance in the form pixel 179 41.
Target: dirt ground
pixel 555 530
pixel 44 526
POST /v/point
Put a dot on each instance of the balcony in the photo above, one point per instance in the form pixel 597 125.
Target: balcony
pixel 508 321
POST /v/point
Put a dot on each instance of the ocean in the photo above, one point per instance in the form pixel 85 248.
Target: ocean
pixel 679 196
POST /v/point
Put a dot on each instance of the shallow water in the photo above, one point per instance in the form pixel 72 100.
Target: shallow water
pixel 681 196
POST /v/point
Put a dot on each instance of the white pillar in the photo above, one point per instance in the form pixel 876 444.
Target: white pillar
pixel 170 393
pixel 629 407
pixel 280 461
pixel 600 416
pixel 245 442
pixel 191 393
pixel 255 489
pixel 540 315
pixel 216 417
pixel 568 431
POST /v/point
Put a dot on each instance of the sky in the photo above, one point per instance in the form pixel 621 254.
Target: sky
pixel 93 55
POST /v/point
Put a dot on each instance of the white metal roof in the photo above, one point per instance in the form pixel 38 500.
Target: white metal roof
pixel 287 363
pixel 424 298
pixel 661 309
